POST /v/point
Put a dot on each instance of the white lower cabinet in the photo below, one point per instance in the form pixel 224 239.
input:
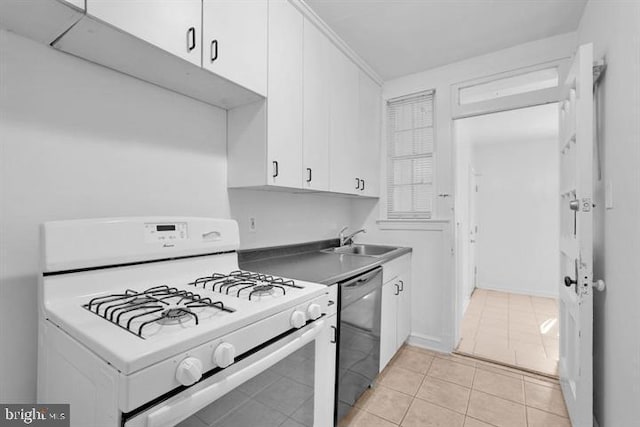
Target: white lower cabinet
pixel 395 315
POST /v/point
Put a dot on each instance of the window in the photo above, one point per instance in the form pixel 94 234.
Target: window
pixel 410 143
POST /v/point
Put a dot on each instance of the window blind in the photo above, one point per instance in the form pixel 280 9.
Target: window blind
pixel 410 144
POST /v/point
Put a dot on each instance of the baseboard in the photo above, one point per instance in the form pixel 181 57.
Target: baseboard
pixel 428 342
pixel 519 292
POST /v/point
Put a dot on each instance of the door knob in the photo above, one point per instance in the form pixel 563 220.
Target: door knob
pixel 574 205
pixel 568 281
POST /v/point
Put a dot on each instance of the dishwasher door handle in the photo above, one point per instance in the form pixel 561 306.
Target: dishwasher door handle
pixel 361 280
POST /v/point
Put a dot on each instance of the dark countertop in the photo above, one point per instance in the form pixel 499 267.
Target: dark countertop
pixel 314 265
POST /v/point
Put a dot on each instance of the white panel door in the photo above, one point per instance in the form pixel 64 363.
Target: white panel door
pixel 576 239
pixel 343 131
pixel 174 26
pixel 369 128
pixel 234 41
pixel 316 109
pixel 284 100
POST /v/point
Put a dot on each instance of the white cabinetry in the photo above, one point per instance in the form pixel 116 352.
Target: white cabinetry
pixel 265 138
pixel 319 128
pixel 284 100
pixel 369 129
pixel 157 41
pixel 315 144
pixel 264 145
pixel 234 41
pixel 395 316
pixel 343 126
pixel 174 26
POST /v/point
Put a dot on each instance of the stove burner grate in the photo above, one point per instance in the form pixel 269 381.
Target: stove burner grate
pixel 238 281
pixel 162 304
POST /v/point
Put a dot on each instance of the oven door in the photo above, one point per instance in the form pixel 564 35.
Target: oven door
pixel 290 380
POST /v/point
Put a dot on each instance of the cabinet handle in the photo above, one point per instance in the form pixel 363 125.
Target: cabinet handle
pixel 275 168
pixel 335 335
pixel 357 183
pixel 397 289
pixel 362 184
pixel 214 50
pixel 309 176
pixel 191 39
pixel 401 286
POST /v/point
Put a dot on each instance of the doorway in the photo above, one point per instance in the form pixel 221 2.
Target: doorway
pixel 507 223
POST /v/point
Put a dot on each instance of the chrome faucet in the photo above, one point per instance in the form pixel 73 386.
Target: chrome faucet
pixel 349 239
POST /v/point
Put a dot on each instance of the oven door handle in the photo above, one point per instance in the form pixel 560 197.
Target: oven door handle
pixel 172 413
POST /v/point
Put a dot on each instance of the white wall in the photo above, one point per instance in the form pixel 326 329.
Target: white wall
pixel 514 154
pixel 517 244
pixel 434 301
pixel 285 218
pixel 79 140
pixel 614 28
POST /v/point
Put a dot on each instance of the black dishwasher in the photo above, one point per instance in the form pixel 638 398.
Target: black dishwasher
pixel 359 338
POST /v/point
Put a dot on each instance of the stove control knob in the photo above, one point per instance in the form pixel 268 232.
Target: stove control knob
pixel 189 371
pixel 224 355
pixel 298 319
pixel 314 311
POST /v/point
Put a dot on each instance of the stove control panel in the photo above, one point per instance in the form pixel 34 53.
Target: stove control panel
pixel 165 233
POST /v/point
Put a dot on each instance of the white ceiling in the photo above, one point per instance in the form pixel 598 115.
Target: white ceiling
pixel 537 123
pixel 400 37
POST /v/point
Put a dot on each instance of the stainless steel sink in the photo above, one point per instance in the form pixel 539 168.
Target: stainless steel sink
pixel 363 250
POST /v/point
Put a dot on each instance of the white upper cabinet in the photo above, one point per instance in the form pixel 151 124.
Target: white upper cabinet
pixel 284 100
pixel 234 41
pixel 343 124
pixel 319 128
pixel 316 109
pixel 369 129
pixel 174 26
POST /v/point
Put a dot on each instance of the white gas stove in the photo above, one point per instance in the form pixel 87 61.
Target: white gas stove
pixel 139 315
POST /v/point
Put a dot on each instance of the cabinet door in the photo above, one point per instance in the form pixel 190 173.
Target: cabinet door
pixel 174 26
pixel 316 109
pixel 284 100
pixel 388 323
pixel 403 328
pixel 234 41
pixel 369 135
pixel 343 130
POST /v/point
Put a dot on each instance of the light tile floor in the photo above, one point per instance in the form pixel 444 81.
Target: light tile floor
pixel 512 329
pixel 420 388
